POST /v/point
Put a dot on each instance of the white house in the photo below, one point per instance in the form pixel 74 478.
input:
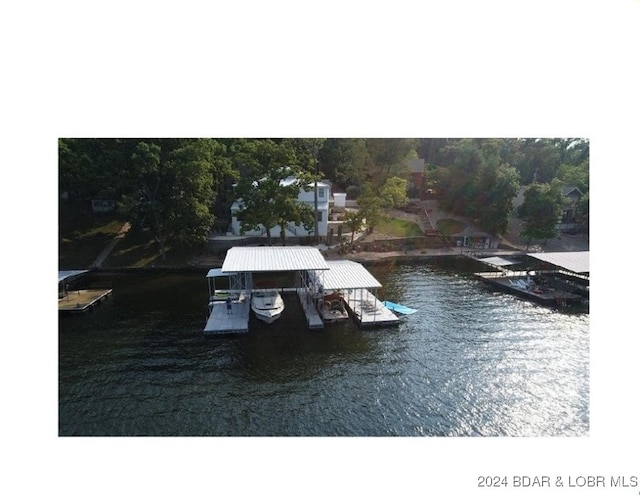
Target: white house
pixel 324 192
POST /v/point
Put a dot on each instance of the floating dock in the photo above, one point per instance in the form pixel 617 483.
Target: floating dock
pixel 314 321
pixel 78 301
pixel 520 286
pixel 314 279
pixel 556 279
pixel 368 310
pixel 221 321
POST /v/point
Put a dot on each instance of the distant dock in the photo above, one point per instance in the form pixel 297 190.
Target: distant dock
pixel 550 279
pixel 79 301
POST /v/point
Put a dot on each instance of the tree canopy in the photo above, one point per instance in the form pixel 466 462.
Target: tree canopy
pixel 266 199
pixel 177 186
pixel 541 210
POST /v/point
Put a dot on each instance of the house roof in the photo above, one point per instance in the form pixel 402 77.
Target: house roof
pixel 346 274
pixel 567 190
pixel 573 261
pixel 417 165
pixel 273 259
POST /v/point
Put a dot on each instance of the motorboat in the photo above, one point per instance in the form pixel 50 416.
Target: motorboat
pixel 267 305
pixel 332 308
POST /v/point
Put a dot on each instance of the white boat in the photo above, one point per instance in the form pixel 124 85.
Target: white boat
pixel 332 308
pixel 267 305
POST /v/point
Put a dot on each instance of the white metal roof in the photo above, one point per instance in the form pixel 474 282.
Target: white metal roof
pixel 574 261
pixel 217 272
pixel 498 261
pixel 346 274
pixel 62 275
pixel 273 259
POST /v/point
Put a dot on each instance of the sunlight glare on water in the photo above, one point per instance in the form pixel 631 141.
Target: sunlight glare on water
pixel 469 362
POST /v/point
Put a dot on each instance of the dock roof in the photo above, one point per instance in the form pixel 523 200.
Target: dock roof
pixel 346 274
pixel 273 259
pixel 65 274
pixel 573 261
pixel 498 261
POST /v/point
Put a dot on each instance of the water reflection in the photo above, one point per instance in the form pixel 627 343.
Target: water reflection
pixel 469 362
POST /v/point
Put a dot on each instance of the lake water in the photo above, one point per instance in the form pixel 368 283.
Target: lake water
pixel 469 362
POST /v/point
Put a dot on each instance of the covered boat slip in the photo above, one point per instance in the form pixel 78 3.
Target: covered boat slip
pixel 354 281
pixel 557 279
pixel 239 266
pixel 315 278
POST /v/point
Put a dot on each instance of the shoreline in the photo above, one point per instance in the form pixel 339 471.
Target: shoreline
pixel 364 257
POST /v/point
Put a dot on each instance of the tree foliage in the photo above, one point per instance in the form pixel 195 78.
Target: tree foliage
pixel 175 186
pixel 541 210
pixel 173 190
pixel 266 199
pixel 474 181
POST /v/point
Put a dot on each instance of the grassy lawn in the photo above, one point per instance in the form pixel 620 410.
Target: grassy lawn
pixel 82 235
pixel 449 226
pixel 396 227
pixel 139 249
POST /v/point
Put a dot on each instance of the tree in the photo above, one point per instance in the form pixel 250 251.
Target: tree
pixel 371 206
pixel 344 161
pixel 388 156
pixel 353 220
pixel 498 184
pixel 173 190
pixel 394 193
pixel 265 197
pixel 541 210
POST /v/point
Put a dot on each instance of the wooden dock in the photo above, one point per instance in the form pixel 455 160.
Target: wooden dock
pixel 78 301
pixel 220 321
pixel 368 310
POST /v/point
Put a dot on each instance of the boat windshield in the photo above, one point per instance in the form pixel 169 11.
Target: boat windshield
pixel 269 293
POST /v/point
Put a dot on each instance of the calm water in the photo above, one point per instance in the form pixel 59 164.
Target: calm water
pixel 470 362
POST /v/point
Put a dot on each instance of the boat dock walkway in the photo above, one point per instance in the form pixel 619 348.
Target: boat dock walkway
pixel 314 321
pixel 222 322
pixel 78 301
pixel 368 310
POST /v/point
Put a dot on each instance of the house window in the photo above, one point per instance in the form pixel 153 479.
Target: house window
pixel 319 216
pixel 321 192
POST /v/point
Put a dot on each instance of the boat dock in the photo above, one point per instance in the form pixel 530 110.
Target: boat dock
pixel 521 286
pixel 315 278
pixel 559 279
pixel 78 301
pixel 221 321
pixel 314 321
pixel 368 310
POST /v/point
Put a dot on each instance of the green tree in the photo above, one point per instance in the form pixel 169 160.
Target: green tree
pixel 388 156
pixel 394 193
pixel 173 190
pixel 371 206
pixel 498 184
pixel 265 198
pixel 541 210
pixel 344 161
pixel 353 220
